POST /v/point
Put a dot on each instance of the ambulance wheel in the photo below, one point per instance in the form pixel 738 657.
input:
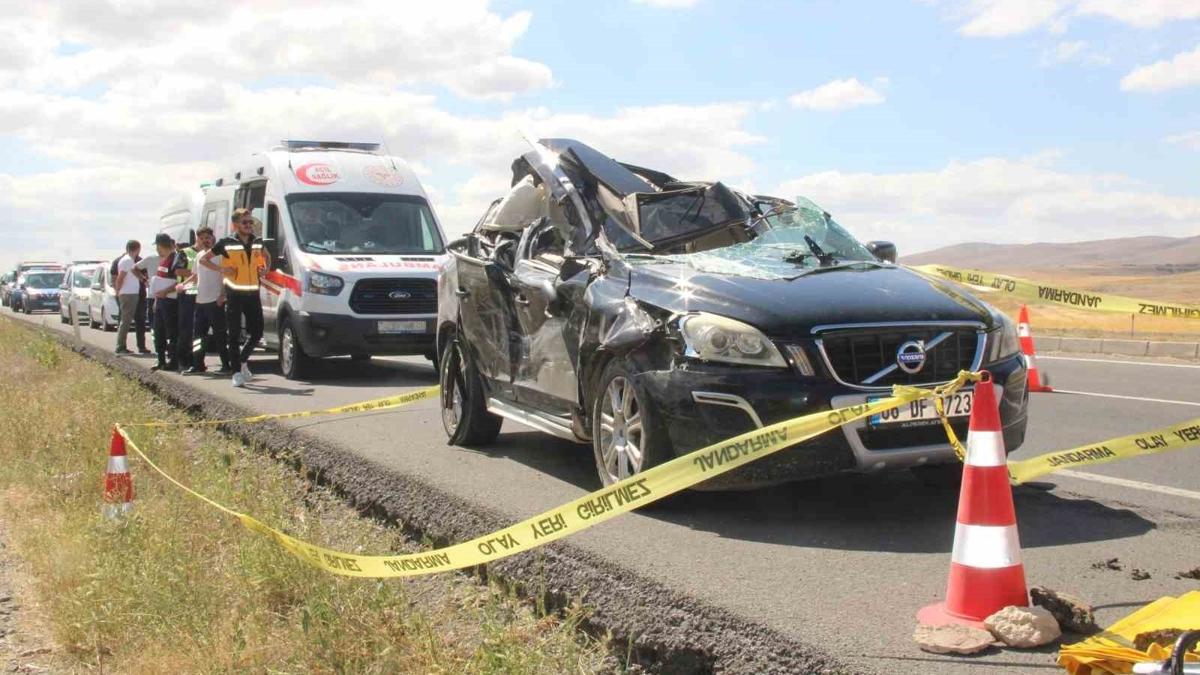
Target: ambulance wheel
pixel 464 413
pixel 940 476
pixel 293 362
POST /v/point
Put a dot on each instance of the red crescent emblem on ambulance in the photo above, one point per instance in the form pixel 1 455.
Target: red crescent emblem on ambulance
pixel 317 174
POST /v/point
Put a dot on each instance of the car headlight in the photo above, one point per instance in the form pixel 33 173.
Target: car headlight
pixel 1002 340
pixel 324 284
pixel 710 337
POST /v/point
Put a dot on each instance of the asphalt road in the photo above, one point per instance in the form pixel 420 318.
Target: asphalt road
pixel 842 564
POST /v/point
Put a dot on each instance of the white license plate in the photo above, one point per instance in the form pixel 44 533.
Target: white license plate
pixel 923 411
pixel 402 326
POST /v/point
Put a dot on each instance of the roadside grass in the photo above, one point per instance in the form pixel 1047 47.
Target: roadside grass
pixel 180 587
pixel 1047 319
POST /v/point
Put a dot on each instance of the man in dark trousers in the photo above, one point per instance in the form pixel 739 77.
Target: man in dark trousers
pixel 244 260
pixel 210 308
pixel 161 285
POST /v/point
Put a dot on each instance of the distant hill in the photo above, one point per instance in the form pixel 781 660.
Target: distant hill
pixel 1142 255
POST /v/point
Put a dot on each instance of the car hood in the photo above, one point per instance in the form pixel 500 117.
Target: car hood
pixel 793 307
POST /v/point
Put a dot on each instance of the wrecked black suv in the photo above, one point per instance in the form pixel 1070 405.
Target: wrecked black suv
pixel 614 305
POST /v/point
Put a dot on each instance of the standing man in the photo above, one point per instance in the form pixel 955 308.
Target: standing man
pixel 128 287
pixel 244 261
pixel 210 307
pixel 166 305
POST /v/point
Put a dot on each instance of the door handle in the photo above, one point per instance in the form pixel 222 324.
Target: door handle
pixel 462 292
pixel 521 299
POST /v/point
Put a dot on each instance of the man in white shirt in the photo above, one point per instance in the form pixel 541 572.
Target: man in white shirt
pixel 128 287
pixel 210 307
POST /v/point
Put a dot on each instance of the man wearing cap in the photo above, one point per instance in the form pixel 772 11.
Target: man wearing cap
pixel 161 286
pixel 243 261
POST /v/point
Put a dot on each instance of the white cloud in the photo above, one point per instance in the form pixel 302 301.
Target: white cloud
pixel 1002 18
pixel 668 4
pixel 1188 139
pixel 1075 51
pixel 141 101
pixel 838 95
pixel 1142 13
pixel 1183 70
pixel 995 199
pixel 458 44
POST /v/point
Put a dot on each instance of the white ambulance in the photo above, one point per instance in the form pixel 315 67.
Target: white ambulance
pixel 356 249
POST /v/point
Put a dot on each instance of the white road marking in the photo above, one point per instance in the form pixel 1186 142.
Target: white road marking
pixel 1127 398
pixel 1136 484
pixel 1127 363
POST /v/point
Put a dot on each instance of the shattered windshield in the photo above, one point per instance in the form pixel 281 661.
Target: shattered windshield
pixel 786 244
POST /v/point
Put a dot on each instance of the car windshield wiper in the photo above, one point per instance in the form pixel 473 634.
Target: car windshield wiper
pixel 320 247
pixel 831 268
pixel 825 259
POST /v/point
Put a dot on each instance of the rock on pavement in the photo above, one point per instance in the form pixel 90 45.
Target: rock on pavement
pixel 1023 626
pixel 952 639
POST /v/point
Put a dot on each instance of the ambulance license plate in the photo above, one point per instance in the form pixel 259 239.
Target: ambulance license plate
pixel 402 326
pixel 915 413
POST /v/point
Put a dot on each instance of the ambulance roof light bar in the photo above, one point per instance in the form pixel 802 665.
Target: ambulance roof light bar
pixel 301 146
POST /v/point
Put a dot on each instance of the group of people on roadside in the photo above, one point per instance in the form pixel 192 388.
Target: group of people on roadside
pixel 210 287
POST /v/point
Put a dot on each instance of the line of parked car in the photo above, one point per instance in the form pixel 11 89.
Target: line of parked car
pixel 83 287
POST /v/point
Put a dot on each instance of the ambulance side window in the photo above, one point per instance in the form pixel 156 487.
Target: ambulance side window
pixel 274 233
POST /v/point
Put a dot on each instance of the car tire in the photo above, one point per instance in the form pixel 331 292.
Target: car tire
pixel 625 433
pixel 293 362
pixel 464 412
pixel 940 476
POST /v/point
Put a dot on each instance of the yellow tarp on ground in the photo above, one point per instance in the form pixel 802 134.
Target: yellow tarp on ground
pixel 1113 651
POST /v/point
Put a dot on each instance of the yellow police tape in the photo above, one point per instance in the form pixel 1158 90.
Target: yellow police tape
pixel 584 512
pixel 365 406
pixel 1067 297
pixel 1177 437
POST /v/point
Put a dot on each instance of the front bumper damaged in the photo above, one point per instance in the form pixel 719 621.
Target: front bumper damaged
pixel 701 404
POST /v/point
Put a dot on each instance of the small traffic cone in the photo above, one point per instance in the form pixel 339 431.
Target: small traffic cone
pixel 118 484
pixel 986 574
pixel 1027 348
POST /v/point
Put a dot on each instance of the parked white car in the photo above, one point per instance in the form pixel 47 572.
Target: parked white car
pixel 103 310
pixel 75 292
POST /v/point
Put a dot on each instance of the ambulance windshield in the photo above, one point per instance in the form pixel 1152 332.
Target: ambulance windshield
pixel 364 223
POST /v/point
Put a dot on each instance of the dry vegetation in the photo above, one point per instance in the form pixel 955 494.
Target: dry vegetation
pixel 178 587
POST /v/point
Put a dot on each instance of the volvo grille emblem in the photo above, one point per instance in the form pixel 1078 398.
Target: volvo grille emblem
pixel 911 356
pixel 402 295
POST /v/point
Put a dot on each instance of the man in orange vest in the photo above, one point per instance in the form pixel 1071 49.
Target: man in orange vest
pixel 244 260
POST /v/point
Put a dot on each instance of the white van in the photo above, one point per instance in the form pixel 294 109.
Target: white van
pixel 355 244
pixel 181 216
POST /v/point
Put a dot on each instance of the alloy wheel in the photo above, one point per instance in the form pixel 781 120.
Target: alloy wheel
pixel 287 349
pixel 452 388
pixel 620 452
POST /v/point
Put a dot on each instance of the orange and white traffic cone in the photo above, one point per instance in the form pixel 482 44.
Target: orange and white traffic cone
pixel 118 484
pixel 986 573
pixel 1027 348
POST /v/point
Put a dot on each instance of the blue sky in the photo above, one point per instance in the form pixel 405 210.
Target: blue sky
pixel 927 122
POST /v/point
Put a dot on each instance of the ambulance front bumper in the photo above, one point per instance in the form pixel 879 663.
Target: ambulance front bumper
pixel 337 334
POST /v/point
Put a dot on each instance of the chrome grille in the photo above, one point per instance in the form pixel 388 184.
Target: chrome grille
pixel 864 356
pixel 394 296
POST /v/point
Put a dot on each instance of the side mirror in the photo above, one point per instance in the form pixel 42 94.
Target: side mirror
pixel 882 250
pixel 62 287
